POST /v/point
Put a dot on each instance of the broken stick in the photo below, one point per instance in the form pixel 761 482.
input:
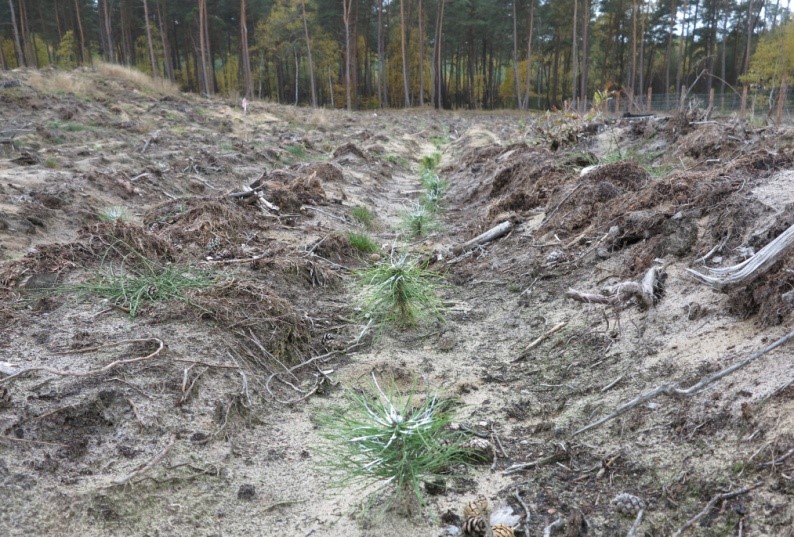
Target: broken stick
pixel 490 235
pixel 674 389
pixel 540 339
pixel 713 502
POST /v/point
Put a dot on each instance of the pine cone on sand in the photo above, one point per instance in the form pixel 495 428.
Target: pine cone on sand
pixel 627 504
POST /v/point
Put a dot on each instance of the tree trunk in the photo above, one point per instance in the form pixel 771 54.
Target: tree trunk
pixel 105 31
pixel 167 60
pixel 668 55
pixel 346 7
pixel 17 43
pixel 152 60
pixel 585 53
pixel 381 61
pixel 202 71
pixel 438 90
pixel 404 56
pixel 27 42
pixel 82 34
pixel 309 54
pixel 529 52
pixel 633 75
pixel 245 56
pixel 517 82
pixel 421 54
pixel 574 56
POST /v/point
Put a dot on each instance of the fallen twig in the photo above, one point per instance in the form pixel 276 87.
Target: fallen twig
pixel 554 457
pixel 527 514
pixel 675 390
pixel 291 371
pixel 149 465
pixel 108 367
pixel 545 335
pixel 634 527
pixel 712 503
pixel 547 531
pixel 484 238
pixel 779 460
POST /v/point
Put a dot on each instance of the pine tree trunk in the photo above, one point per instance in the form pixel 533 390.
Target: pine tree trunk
pixel 27 43
pixel 202 70
pixel 438 82
pixel 668 55
pixel 382 97
pixel 525 105
pixel 633 75
pixel 421 54
pixel 346 7
pixel 516 81
pixel 585 54
pixel 245 56
pixel 309 54
pixel 17 43
pixel 82 34
pixel 407 102
pixel 574 56
pixel 152 60
pixel 167 60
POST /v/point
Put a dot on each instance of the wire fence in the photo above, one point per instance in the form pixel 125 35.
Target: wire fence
pixel 722 104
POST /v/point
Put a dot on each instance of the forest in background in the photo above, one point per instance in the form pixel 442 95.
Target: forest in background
pixel 365 54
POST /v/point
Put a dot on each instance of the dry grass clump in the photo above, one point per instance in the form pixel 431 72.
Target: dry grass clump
pixel 54 82
pixel 137 78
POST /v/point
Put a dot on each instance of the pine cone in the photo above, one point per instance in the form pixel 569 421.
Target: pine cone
pixel 476 508
pixel 474 527
pixel 627 504
pixel 501 530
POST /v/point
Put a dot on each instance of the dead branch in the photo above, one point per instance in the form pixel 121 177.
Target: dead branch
pixel 751 268
pixel 554 457
pixel 675 390
pixel 547 531
pixel 540 339
pixel 527 514
pixel 484 238
pixel 291 371
pixel 779 460
pixel 108 367
pixel 634 527
pixel 149 465
pixel 646 291
pixel 545 335
pixel 713 502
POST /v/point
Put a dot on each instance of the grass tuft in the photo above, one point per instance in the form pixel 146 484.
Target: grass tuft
pixel 400 292
pixel 297 151
pixel 363 215
pixel 400 442
pixel 140 280
pixel 362 242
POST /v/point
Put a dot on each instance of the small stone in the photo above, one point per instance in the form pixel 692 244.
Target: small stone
pixel 246 492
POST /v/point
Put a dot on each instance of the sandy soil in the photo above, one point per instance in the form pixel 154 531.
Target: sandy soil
pixel 185 438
